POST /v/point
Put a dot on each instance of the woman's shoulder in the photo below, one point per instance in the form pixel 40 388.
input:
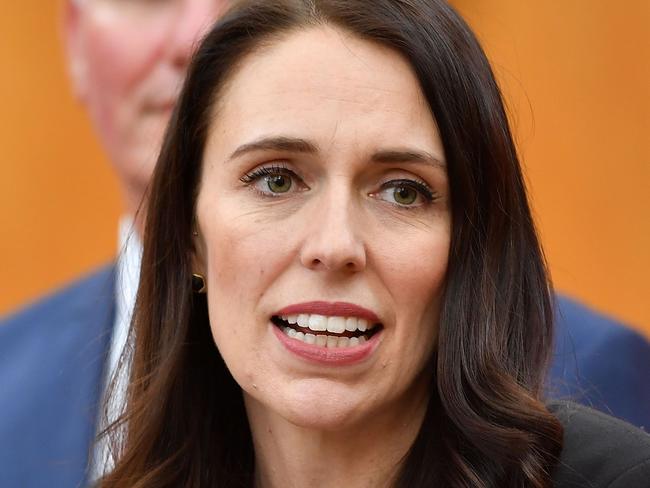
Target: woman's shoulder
pixel 600 451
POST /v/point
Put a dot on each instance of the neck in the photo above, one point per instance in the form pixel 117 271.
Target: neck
pixel 134 203
pixel 366 455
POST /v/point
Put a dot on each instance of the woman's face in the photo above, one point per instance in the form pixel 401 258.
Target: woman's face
pixel 324 201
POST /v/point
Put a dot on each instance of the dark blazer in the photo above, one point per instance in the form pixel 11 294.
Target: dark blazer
pixel 600 451
pixel 52 356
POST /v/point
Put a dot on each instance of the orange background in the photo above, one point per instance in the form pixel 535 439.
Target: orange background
pixel 575 74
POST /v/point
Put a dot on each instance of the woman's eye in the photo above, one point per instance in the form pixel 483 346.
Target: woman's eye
pixel 273 180
pixel 406 193
pixel 278 183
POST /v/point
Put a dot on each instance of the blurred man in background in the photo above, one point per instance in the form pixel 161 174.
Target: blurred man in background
pixel 127 60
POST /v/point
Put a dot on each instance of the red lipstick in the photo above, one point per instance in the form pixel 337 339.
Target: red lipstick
pixel 330 309
pixel 328 356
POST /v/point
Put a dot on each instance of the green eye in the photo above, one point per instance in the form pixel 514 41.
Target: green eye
pixel 274 181
pixel 278 183
pixel 405 195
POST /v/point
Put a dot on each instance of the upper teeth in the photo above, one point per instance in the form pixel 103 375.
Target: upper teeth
pixel 336 325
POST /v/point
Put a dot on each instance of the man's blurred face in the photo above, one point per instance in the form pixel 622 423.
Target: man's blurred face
pixel 128 59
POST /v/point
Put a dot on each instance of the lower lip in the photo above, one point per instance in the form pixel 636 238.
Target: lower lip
pixel 337 356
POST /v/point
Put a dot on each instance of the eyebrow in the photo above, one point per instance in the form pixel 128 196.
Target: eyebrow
pixel 299 145
pixel 406 156
pixel 279 143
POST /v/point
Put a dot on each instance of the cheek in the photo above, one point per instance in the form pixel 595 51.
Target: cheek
pixel 243 256
pixel 416 272
pixel 415 278
pixel 239 264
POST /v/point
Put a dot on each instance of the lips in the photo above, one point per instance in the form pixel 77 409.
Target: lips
pixel 330 309
pixel 164 107
pixel 337 325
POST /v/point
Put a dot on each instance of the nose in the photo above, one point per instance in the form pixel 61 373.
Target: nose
pixel 195 17
pixel 332 239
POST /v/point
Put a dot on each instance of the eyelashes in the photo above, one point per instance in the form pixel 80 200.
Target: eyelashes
pixel 277 180
pixel 266 171
pixel 399 185
pixel 273 181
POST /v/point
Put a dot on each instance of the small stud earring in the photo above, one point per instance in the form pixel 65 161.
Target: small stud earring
pixel 198 283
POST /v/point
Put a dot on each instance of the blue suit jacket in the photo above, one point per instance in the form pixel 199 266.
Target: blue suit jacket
pixel 600 363
pixel 52 356
pixel 51 372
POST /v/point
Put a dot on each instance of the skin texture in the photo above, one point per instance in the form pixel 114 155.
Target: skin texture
pixel 336 235
pixel 127 60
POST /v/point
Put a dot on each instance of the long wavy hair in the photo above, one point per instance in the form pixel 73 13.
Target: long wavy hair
pixel 184 424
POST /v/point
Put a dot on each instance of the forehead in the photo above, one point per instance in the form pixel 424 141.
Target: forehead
pixel 325 83
pixel 143 10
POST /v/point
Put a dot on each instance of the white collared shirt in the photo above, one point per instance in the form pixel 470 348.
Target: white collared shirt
pixel 127 277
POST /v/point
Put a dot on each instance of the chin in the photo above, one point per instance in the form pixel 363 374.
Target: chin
pixel 324 422
pixel 323 409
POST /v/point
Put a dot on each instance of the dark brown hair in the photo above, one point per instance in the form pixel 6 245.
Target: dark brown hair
pixel 486 425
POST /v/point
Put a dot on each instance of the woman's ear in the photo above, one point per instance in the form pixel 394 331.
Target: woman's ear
pixel 71 16
pixel 198 251
pixel 199 282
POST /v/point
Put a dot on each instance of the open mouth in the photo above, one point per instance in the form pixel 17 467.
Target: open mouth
pixel 324 331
